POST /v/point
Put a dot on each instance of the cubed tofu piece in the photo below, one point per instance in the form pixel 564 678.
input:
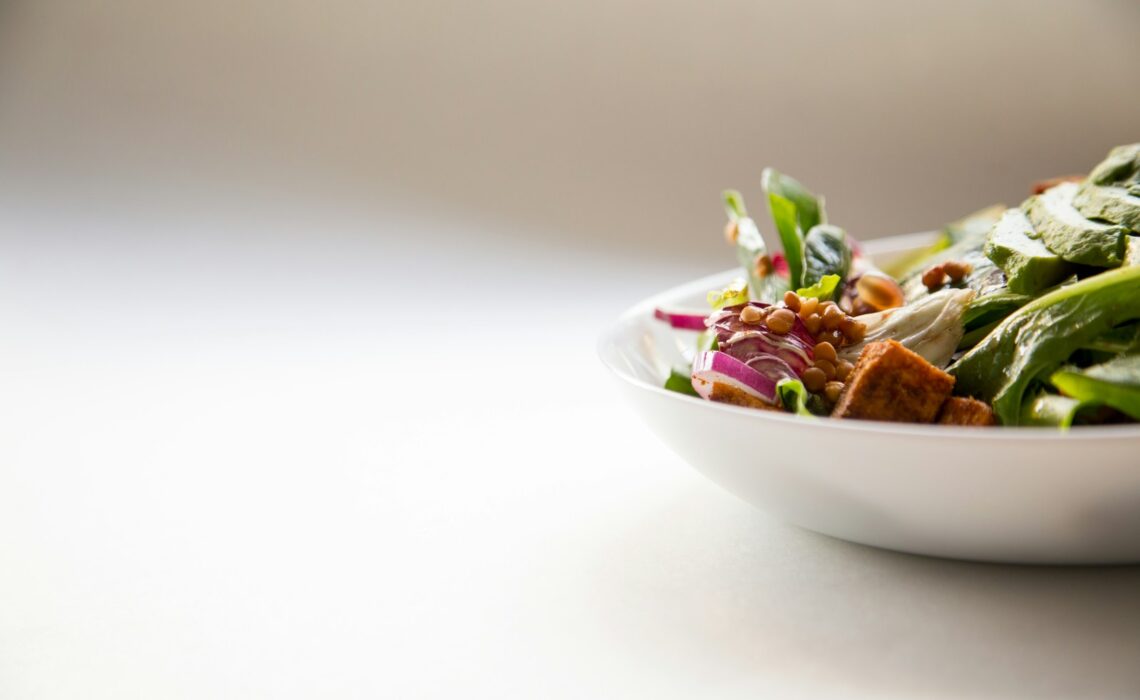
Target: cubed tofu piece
pixel 892 383
pixel 959 411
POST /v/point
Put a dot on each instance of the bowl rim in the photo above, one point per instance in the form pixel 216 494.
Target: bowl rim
pixel 880 246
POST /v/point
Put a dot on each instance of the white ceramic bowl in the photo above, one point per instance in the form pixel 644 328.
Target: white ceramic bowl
pixel 1026 495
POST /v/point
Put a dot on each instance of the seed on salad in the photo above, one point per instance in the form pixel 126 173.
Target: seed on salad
pixel 824 351
pixel 856 331
pixel 792 300
pixel 934 278
pixel 832 390
pixel 843 370
pixel 781 321
pixel 832 317
pixel 813 323
pixel 827 367
pixel 808 306
pixel 731 231
pixel 751 315
pixel 814 379
pixel 833 337
pixel 879 291
pixel 957 270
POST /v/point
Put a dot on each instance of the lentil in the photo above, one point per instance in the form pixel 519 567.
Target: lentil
pixel 825 351
pixel 751 315
pixel 781 321
pixel 832 390
pixel 813 323
pixel 832 317
pixel 814 379
pixel 808 307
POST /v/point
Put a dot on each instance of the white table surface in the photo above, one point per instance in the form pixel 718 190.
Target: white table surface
pixel 297 457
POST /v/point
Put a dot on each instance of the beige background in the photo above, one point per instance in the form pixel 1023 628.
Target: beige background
pixel 613 125
pixel 298 394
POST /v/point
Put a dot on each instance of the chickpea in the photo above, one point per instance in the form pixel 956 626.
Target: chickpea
pixel 792 301
pixel 827 367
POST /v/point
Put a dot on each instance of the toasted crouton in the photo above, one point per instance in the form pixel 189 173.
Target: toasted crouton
pixel 891 383
pixel 727 393
pixel 960 411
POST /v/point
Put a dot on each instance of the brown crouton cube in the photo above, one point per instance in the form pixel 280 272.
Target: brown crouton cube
pixel 892 383
pixel 961 411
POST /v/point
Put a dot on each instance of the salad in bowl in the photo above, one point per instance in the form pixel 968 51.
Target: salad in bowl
pixel 1022 316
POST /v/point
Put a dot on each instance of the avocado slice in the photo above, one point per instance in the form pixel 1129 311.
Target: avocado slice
pixel 1069 234
pixel 1028 265
pixel 1113 204
pixel 1121 168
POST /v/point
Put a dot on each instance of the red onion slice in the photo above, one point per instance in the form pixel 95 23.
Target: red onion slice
pixel 685 320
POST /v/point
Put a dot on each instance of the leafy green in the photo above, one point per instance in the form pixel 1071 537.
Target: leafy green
pixel 825 253
pixel 1050 410
pixel 992 308
pixel 795 210
pixel 822 290
pixel 1115 383
pixel 735 293
pixel 680 382
pixel 1118 341
pixel 793 396
pixel 1037 338
pixel 751 252
pixel 810 211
